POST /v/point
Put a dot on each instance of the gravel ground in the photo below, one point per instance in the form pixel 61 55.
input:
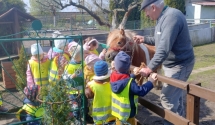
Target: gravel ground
pixel 145 116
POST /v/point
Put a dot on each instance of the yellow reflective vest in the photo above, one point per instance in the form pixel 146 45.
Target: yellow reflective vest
pixel 53 74
pixel 95 52
pixel 1 102
pixel 31 110
pixel 121 107
pixel 101 111
pixel 40 71
pixel 71 69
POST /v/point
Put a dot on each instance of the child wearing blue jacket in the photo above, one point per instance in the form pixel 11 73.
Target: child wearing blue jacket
pixel 125 90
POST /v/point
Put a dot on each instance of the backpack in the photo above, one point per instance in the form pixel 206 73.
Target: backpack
pixel 31 92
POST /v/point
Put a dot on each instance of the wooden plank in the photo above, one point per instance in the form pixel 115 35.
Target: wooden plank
pixel 164 113
pixel 137 122
pixel 173 82
pixel 6 57
pixel 6 22
pixel 202 92
pixel 190 123
pixel 193 108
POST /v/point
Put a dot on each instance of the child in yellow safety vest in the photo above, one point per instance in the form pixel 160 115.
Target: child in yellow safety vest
pixel 38 66
pixel 2 108
pixel 38 69
pixel 91 44
pixel 59 59
pixel 90 60
pixel 71 71
pixel 125 90
pixel 100 90
pixel 31 108
pixel 74 70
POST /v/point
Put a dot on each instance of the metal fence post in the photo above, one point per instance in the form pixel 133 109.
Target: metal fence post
pixel 210 24
pixel 193 106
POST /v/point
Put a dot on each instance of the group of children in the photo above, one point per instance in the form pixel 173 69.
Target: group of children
pixel 113 90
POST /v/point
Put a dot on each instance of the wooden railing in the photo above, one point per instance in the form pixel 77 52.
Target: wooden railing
pixel 194 93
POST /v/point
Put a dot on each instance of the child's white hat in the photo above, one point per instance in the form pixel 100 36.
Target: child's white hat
pixel 75 51
pixel 55 34
pixel 36 49
pixel 60 43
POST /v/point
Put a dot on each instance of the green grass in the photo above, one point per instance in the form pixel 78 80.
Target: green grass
pixel 206 78
pixel 205 55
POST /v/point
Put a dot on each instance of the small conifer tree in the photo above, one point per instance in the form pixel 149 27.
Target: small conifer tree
pixel 20 67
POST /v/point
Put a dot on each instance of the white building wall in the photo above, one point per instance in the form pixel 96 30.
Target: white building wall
pixel 197 13
pixel 189 10
pixel 208 12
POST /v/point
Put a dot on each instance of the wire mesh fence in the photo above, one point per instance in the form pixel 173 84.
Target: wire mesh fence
pixel 39 97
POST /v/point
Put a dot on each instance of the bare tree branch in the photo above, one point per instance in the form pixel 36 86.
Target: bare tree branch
pixel 104 10
pixel 130 8
pixel 121 1
pixel 42 4
pixel 127 9
pixel 97 18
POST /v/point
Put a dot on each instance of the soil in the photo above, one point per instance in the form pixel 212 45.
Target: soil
pixel 146 117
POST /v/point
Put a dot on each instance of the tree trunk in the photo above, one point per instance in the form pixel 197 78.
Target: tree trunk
pixel 114 20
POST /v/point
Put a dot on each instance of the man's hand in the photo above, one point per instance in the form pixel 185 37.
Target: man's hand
pixel 145 71
pixel 138 39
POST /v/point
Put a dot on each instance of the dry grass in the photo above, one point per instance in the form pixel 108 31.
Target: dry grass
pixel 206 78
pixel 205 57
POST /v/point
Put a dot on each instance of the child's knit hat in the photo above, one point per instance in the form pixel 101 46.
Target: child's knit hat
pixel 86 46
pixel 91 59
pixel 74 50
pixel 72 45
pixel 36 49
pixel 122 62
pixel 101 70
pixel 60 43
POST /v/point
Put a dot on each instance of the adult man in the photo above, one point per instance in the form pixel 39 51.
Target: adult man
pixel 173 49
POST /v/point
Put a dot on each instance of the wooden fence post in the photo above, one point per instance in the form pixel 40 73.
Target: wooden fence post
pixel 193 106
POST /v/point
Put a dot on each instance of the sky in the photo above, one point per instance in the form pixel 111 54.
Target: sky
pixel 68 9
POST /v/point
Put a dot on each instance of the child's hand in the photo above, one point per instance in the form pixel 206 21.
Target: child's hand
pixel 104 51
pixel 136 71
pixel 112 65
pixel 153 78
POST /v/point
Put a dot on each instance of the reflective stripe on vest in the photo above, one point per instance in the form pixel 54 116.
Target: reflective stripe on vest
pixel 34 111
pixel 102 101
pixel 121 104
pixel 71 69
pixel 40 71
pixel 1 102
pixel 53 73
